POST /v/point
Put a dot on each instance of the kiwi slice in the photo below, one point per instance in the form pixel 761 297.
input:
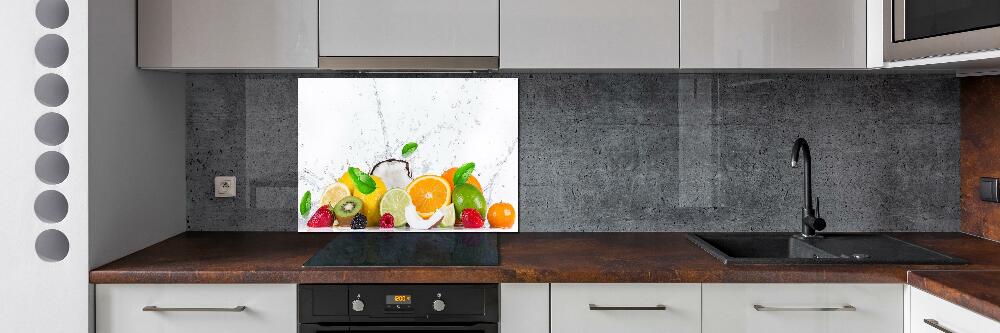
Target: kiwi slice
pixel 345 209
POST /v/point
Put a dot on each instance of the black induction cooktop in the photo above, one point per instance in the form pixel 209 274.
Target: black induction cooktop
pixel 408 249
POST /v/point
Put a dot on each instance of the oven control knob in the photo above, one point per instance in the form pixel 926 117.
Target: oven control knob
pixel 438 305
pixel 357 305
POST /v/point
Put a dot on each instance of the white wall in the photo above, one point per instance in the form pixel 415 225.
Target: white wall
pixel 137 188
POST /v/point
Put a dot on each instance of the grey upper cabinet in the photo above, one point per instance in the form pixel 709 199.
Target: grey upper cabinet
pixel 407 28
pixel 589 34
pixel 192 34
pixel 773 34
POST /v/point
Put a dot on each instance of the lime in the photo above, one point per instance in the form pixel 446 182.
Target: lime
pixel 467 196
pixel 394 202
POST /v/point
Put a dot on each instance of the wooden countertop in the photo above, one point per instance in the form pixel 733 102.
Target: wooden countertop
pixel 277 257
pixel 978 291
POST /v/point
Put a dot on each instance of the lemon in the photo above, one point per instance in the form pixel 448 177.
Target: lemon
pixel 370 202
pixel 346 180
pixel 334 193
pixel 394 202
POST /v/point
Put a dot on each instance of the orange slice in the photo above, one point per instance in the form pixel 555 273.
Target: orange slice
pixel 429 193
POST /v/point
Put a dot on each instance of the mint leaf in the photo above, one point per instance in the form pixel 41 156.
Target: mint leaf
pixel 306 204
pixel 409 148
pixel 463 173
pixel 362 181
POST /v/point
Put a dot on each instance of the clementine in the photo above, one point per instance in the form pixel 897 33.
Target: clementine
pixel 501 215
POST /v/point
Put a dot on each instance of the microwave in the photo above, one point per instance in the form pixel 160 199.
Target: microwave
pixel 915 29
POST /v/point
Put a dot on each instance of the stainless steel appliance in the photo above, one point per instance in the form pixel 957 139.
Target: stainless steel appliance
pixel 916 29
pixel 470 308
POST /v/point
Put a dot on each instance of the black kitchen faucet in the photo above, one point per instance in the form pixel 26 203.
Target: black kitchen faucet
pixel 810 221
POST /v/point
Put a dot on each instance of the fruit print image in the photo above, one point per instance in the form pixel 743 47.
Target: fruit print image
pixel 407 155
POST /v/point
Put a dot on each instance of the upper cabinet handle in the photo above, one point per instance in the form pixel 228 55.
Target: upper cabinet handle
pixel 240 308
pixel 935 324
pixel 595 307
pixel 848 307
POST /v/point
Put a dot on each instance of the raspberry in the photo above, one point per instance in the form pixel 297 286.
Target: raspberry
pixel 359 222
pixel 387 221
pixel 472 219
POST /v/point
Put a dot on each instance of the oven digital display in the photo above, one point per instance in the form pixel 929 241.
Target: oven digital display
pixel 398 299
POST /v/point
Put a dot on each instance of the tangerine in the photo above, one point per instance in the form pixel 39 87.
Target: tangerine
pixel 501 215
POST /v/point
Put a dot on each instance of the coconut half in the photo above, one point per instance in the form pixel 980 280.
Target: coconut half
pixel 394 173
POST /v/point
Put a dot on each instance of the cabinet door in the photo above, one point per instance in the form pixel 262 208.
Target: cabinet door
pixel 524 308
pixel 817 308
pixel 589 34
pixel 189 308
pixel 626 307
pixel 929 314
pixel 406 28
pixel 773 34
pixel 227 33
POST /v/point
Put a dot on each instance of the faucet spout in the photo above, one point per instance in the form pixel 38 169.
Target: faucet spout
pixel 810 222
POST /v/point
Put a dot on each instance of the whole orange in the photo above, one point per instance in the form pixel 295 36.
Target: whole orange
pixel 449 175
pixel 501 215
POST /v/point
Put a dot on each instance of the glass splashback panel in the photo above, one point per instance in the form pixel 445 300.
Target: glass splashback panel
pixel 407 154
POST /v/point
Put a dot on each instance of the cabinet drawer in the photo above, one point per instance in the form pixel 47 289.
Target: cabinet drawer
pixel 818 308
pixel 269 308
pixel 946 315
pixel 622 307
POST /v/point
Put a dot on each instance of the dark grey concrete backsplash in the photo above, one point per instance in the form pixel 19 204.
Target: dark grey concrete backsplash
pixel 639 152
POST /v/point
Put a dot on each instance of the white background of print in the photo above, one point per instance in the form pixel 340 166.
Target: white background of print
pixel 359 122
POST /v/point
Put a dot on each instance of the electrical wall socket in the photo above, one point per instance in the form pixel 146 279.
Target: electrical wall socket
pixel 225 187
pixel 988 189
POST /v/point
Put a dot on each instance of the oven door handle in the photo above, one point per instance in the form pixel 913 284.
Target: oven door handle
pixel 313 328
pixel 484 327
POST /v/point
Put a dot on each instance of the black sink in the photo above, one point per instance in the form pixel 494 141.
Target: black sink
pixel 786 248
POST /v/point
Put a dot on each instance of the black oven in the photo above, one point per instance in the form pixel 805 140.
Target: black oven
pixel 927 28
pixel 378 308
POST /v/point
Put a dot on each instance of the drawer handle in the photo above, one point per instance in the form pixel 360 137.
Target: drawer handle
pixel 658 307
pixel 935 324
pixel 154 308
pixel 848 307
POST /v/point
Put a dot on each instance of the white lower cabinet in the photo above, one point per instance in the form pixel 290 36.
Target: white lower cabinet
pixel 196 308
pixel 524 308
pixel 626 307
pixel 930 314
pixel 816 308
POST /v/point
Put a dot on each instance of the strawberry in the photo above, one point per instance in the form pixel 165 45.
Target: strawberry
pixel 387 221
pixel 322 218
pixel 472 219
